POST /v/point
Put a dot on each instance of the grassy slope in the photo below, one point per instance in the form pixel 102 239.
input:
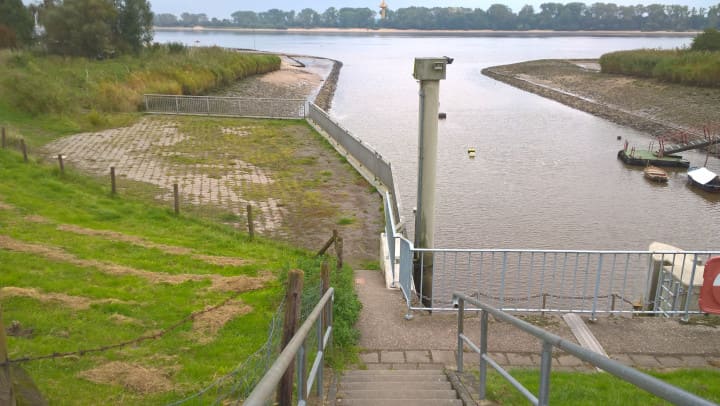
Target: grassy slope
pixel 47 96
pixel 567 388
pixel 38 200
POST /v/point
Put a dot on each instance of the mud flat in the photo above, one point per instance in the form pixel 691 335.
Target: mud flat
pixel 661 109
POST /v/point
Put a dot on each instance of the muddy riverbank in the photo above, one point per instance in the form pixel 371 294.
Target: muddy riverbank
pixel 661 109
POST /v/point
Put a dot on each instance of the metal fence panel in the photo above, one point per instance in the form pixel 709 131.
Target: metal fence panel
pixel 362 152
pixel 592 282
pixel 225 106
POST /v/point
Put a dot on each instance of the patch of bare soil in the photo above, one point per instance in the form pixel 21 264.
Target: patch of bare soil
pixel 222 283
pixel 73 302
pixel 168 249
pixel 207 325
pixel 136 378
pixel 5 206
pixel 661 109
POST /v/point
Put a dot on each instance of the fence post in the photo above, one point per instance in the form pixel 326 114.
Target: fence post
pixel 4 140
pixel 113 185
pixel 176 197
pixel 251 223
pixel 6 393
pixel 339 251
pixel 60 162
pixel 290 325
pixel 24 149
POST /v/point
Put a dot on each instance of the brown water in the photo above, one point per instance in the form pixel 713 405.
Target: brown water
pixel 545 175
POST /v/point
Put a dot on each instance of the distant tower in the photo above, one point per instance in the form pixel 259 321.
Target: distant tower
pixel 383 10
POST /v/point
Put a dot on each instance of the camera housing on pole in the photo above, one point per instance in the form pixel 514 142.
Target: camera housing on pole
pixel 429 71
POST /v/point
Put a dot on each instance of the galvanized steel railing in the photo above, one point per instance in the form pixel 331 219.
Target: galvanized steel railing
pixel 366 155
pixel 225 106
pixel 549 341
pixel 295 351
pixel 581 281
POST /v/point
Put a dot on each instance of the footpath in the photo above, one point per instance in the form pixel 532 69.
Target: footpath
pixel 389 341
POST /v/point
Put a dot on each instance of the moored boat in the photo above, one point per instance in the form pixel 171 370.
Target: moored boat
pixel 642 157
pixel 704 179
pixel 655 174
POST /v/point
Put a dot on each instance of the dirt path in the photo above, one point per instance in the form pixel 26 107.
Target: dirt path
pixel 661 109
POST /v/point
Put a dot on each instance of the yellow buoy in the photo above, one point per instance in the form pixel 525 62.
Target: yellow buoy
pixel 471 152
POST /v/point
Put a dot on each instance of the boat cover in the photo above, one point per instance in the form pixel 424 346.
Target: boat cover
pixel 702 175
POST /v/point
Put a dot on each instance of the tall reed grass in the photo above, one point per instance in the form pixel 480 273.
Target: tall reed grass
pixel 697 68
pixel 41 84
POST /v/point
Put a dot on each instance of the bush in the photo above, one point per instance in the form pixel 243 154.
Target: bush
pixel 8 39
pixel 709 40
pixel 699 68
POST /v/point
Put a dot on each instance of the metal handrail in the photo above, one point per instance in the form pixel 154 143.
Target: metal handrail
pixel 549 341
pixel 295 349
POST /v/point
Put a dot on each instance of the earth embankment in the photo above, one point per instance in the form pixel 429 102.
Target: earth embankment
pixel 661 109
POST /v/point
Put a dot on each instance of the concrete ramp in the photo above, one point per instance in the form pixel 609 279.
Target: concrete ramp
pixel 583 334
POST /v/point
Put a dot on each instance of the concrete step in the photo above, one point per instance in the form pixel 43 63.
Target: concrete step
pixel 395 372
pixel 397 394
pixel 396 378
pixel 392 385
pixel 400 402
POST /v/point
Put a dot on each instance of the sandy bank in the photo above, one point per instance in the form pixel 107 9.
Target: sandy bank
pixel 661 109
pixel 470 33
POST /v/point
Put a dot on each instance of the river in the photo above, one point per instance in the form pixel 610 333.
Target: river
pixel 545 176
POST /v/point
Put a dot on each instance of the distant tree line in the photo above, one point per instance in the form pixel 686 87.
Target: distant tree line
pixel 550 16
pixel 93 28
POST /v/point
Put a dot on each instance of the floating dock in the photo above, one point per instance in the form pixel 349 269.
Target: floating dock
pixel 643 157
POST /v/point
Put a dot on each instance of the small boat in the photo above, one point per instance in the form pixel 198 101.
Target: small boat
pixel 655 174
pixel 704 179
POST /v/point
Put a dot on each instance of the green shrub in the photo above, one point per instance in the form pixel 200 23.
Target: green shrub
pixel 699 68
pixel 709 40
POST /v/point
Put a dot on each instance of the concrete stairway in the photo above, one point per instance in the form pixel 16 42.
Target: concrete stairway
pixel 396 387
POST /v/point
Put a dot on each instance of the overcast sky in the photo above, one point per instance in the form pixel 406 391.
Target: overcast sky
pixel 223 8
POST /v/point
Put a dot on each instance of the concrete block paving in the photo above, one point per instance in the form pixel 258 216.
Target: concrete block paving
pixel 140 153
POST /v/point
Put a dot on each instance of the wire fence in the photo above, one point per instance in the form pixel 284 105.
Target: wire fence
pixel 225 106
pixel 233 387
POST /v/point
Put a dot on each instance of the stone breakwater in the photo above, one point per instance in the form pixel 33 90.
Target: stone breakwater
pixel 660 109
pixel 327 91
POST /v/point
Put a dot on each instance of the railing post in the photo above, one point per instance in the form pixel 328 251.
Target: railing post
pixel 61 163
pixel 593 316
pixel 320 349
pixel 177 105
pixel 483 351
pixel 290 325
pixel 686 317
pixel 545 366
pixel 7 397
pixel 461 329
pixel 301 361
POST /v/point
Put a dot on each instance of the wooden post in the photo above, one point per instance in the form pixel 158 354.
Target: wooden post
pixel 4 139
pixel 328 244
pixel 24 149
pixel 251 224
pixel 290 325
pixel 176 196
pixel 113 185
pixel 339 251
pixel 60 162
pixel 544 303
pixel 6 393
pixel 324 286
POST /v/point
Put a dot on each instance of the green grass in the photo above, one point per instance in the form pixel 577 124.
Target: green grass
pixel 37 201
pixel 698 68
pixel 49 96
pixel 575 388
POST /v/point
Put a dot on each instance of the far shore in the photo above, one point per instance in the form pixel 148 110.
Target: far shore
pixel 469 33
